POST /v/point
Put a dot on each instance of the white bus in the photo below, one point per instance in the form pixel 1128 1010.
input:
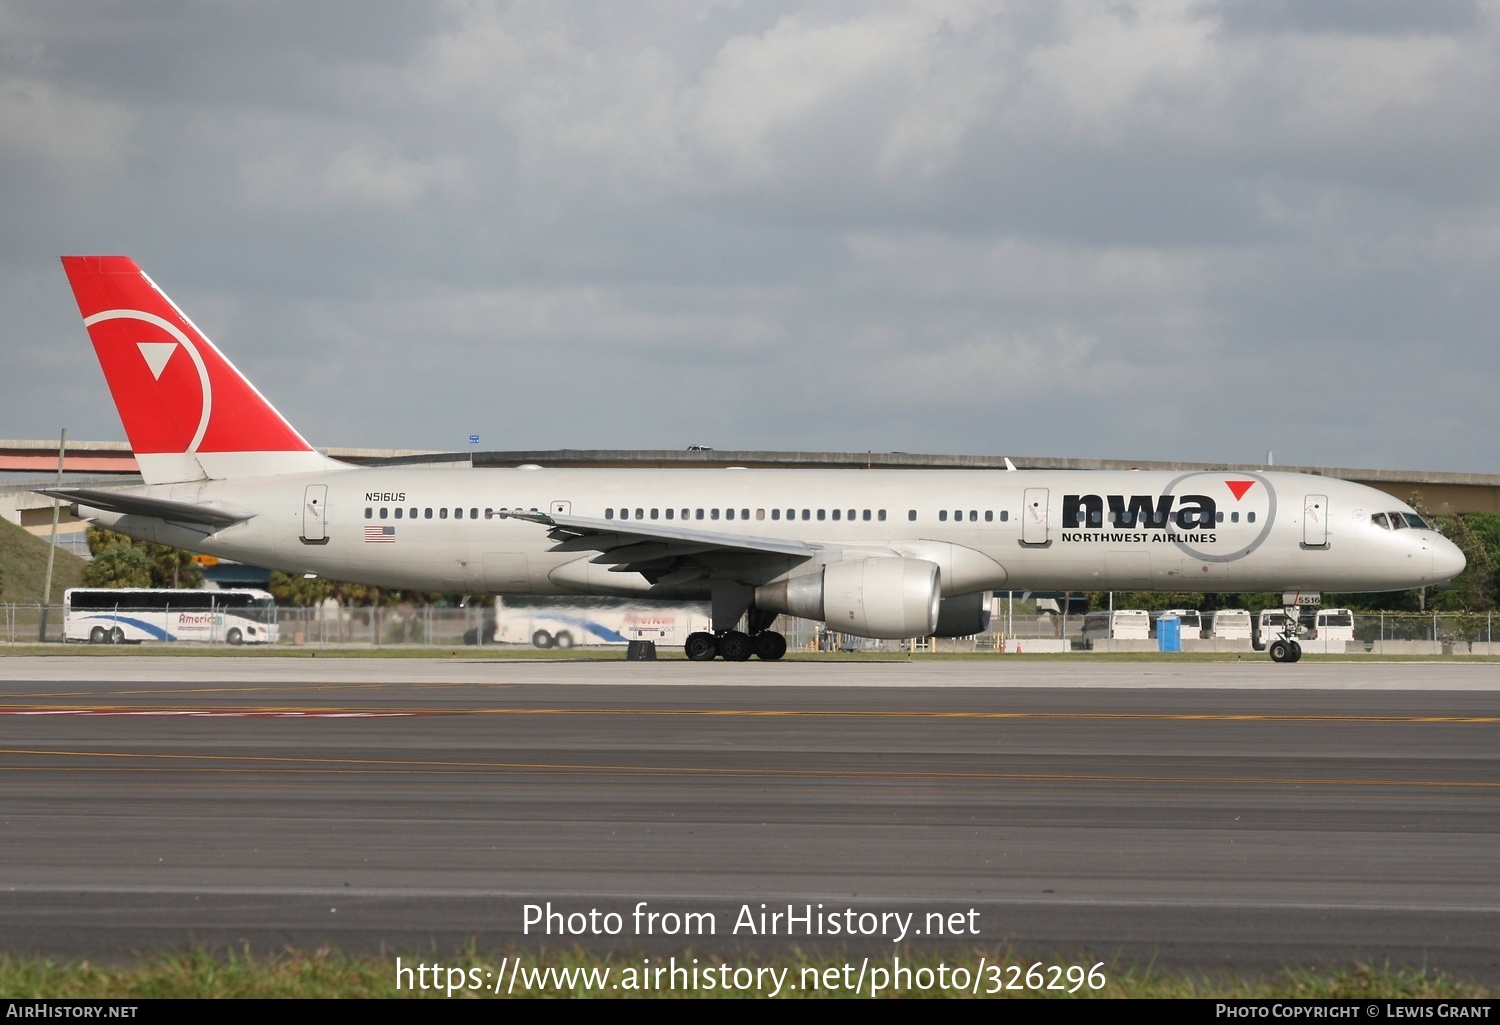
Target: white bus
pixel 565 622
pixel 129 615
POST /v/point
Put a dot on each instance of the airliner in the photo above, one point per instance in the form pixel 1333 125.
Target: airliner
pixel 874 553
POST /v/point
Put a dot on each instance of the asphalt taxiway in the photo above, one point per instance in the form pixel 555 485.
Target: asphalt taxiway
pixel 1191 815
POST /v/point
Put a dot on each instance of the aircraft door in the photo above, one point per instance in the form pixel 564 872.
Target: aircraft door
pixel 1034 517
pixel 1315 521
pixel 315 515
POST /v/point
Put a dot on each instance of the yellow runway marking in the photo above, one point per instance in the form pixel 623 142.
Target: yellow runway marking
pixel 714 713
pixel 345 766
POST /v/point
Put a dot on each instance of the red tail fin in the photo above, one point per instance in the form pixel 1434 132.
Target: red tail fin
pixel 187 411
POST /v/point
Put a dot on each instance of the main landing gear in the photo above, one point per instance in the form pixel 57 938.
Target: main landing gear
pixel 731 603
pixel 735 646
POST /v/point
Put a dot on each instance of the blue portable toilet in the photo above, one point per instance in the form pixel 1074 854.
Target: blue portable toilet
pixel 1169 634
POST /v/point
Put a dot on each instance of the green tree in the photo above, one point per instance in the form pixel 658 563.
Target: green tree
pixel 295 589
pixel 1473 590
pixel 118 565
pixel 121 561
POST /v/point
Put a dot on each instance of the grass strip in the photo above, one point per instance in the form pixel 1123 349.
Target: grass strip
pixel 198 973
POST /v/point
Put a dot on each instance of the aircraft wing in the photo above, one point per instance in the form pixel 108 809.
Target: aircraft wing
pixel 140 505
pixel 635 538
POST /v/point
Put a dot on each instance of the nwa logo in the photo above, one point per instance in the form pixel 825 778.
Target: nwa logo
pixel 1153 512
pixel 1207 516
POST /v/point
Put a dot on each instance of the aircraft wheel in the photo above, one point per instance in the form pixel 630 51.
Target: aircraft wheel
pixel 563 640
pixel 117 636
pixel 234 636
pixel 769 645
pixel 1296 652
pixel 98 635
pixel 541 639
pixel 736 646
pixel 700 647
pixel 1281 651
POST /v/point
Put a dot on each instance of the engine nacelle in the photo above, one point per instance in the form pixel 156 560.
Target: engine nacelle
pixel 877 597
pixel 963 615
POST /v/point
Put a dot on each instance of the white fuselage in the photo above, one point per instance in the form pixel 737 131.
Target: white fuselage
pixel 1026 529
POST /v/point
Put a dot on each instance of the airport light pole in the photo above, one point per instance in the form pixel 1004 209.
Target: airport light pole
pixel 62 446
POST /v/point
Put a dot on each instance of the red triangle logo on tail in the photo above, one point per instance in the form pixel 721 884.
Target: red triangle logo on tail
pixel 1239 487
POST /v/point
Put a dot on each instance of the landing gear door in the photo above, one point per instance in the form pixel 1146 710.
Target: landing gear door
pixel 1034 517
pixel 1315 521
pixel 315 515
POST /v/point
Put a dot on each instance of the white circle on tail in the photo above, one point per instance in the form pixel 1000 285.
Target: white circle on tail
pixel 186 343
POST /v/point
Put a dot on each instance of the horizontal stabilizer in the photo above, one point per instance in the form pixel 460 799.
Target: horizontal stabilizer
pixel 140 505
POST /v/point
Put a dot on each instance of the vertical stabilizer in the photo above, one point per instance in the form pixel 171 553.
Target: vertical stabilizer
pixel 189 414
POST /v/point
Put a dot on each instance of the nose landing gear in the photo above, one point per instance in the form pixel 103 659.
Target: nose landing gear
pixel 1285 648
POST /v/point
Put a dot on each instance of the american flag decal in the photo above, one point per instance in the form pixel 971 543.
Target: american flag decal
pixel 380 535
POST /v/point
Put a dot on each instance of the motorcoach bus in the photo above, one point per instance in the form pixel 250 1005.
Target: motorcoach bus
pixel 129 615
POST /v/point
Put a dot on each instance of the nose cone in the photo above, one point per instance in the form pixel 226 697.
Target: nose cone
pixel 1447 561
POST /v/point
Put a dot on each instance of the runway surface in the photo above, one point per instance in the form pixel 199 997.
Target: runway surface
pixel 1199 816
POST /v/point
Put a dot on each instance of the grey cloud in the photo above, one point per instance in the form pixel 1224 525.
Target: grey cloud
pixel 1150 231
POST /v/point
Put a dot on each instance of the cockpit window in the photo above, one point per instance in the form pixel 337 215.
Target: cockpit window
pixel 1397 523
pixel 1416 522
pixel 1380 521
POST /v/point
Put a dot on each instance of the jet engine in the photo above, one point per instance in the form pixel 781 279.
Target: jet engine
pixel 963 615
pixel 876 597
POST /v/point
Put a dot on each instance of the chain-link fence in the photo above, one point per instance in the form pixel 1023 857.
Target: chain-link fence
pixel 1015 626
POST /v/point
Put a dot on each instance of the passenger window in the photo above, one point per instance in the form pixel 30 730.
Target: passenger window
pixel 989 516
pixel 760 514
pixel 744 514
pixel 443 513
pixel 835 514
pixel 427 513
pixel 973 515
pixel 807 514
pixel 609 513
pixel 384 512
pixel 669 513
pixel 1004 515
pixel 942 515
pixel 1234 517
pixel 398 512
pixel 713 514
pixel 1250 517
pixel 729 514
pixel 1219 517
pixel 653 514
pixel 911 514
pixel 369 513
pixel 880 516
pixel 821 513
pixel 851 514
pixel 473 514
pixel 698 515
pixel 458 514
pixel 866 516
pixel 640 514
pixel 775 514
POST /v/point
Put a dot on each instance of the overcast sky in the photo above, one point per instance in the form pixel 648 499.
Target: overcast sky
pixel 1175 230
